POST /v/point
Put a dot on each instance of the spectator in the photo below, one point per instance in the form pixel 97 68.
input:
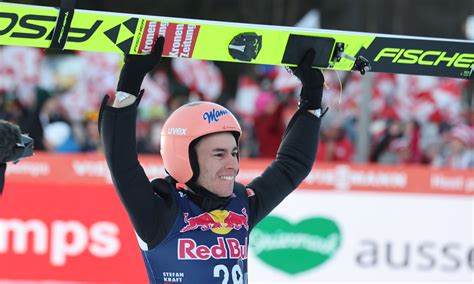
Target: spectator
pixel 91 138
pixel 458 155
pixel 269 124
pixel 334 145
pixel 382 152
pixel 412 134
pixel 58 137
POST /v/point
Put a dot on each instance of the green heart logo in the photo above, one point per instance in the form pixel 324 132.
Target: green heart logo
pixel 295 248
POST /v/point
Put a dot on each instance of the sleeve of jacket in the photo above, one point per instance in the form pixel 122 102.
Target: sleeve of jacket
pixel 117 127
pixel 294 160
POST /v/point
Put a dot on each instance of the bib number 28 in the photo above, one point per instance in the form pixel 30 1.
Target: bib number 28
pixel 236 274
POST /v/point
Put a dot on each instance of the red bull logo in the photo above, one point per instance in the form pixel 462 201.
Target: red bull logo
pixel 229 248
pixel 218 221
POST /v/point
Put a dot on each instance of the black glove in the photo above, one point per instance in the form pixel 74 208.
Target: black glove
pixel 313 81
pixel 137 66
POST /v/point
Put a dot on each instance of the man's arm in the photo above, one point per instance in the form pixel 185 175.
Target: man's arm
pixel 150 214
pixel 297 152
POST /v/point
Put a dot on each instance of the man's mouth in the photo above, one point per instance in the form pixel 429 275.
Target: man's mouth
pixel 229 178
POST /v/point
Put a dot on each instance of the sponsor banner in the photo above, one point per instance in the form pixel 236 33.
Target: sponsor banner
pixel 92 169
pixel 61 220
pixel 72 232
pixel 81 233
pixel 332 236
pixel 180 38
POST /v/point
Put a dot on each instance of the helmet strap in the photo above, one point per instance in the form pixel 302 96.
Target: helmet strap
pixel 193 160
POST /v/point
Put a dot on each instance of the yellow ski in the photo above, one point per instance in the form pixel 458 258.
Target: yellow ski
pixel 38 26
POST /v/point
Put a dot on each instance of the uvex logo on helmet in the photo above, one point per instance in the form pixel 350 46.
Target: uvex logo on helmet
pixel 177 131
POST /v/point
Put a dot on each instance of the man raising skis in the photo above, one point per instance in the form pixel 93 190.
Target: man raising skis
pixel 193 225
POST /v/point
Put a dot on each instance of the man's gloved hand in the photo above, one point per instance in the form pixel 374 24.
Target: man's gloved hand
pixel 312 80
pixel 137 66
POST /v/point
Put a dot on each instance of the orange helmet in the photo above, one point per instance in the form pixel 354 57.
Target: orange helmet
pixel 185 125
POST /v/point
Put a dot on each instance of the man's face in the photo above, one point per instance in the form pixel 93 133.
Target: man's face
pixel 218 163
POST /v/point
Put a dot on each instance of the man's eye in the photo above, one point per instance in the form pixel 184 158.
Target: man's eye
pixel 234 154
pixel 220 155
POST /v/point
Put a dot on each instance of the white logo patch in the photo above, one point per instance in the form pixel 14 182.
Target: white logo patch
pixel 177 131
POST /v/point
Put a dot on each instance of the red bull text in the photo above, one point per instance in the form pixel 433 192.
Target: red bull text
pixel 229 248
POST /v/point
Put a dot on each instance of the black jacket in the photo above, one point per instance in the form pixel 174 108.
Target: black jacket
pixel 153 211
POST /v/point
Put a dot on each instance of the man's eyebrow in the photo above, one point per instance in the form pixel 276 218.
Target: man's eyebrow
pixel 224 149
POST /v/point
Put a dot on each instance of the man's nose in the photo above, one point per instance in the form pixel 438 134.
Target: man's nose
pixel 232 162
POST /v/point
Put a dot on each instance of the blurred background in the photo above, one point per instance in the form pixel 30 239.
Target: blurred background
pixel 379 118
pixel 390 197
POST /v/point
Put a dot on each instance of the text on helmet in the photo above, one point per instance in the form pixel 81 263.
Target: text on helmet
pixel 177 131
pixel 214 115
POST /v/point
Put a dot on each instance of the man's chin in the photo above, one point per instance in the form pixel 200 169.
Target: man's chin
pixel 226 190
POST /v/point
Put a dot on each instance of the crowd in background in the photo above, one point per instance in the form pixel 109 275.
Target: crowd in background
pixel 413 119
